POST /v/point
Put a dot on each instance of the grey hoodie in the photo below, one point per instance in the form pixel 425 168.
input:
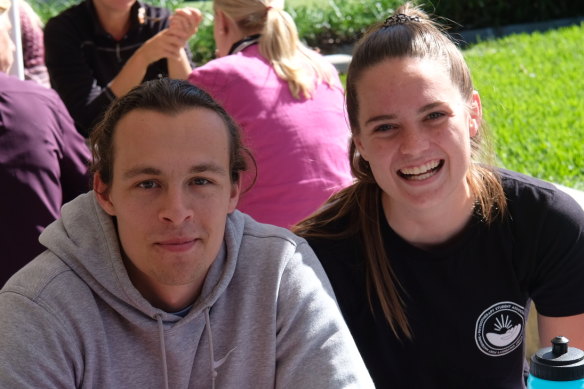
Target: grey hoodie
pixel 266 317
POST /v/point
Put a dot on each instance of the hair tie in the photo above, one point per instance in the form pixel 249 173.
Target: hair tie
pixel 400 19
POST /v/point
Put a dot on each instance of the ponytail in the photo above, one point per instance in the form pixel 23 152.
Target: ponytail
pixel 279 43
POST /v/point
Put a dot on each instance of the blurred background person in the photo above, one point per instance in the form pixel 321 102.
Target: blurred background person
pixel 33 46
pixel 99 49
pixel 43 160
pixel 289 102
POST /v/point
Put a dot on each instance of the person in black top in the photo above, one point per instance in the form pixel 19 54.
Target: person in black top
pixel 435 255
pixel 100 49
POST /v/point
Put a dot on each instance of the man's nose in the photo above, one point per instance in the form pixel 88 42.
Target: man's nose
pixel 175 207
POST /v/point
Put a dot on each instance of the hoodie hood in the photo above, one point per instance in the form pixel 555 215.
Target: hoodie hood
pixel 85 238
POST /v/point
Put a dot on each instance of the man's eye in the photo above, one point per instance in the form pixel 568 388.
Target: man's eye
pixel 201 181
pixel 148 185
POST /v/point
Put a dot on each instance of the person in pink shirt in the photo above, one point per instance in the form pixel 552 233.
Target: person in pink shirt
pixel 289 103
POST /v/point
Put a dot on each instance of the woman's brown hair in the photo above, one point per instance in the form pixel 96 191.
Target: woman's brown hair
pixel 409 33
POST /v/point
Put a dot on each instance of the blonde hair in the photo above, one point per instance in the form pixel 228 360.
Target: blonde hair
pixel 293 62
pixel 408 33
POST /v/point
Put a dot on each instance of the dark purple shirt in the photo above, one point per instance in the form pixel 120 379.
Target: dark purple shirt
pixel 43 164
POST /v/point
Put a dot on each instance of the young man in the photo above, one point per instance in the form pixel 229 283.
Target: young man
pixel 43 160
pixel 153 280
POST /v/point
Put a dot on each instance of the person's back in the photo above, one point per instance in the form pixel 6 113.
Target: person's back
pixel 43 163
pixel 300 145
pixel 289 103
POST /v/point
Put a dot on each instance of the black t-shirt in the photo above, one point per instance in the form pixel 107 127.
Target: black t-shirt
pixel 467 302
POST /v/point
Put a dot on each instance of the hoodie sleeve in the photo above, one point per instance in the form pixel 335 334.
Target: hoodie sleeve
pixel 314 346
pixel 32 355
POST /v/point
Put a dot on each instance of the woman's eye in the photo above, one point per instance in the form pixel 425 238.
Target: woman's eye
pixel 384 128
pixel 148 184
pixel 435 115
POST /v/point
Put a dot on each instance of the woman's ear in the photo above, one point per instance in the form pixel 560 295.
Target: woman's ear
pixel 356 139
pixel 223 22
pixel 102 194
pixel 476 114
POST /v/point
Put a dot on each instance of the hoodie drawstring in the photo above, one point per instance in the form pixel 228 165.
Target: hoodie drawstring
pixel 211 354
pixel 162 350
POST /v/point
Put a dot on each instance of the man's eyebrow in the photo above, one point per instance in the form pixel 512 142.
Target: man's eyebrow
pixel 425 108
pixel 152 171
pixel 141 170
pixel 208 167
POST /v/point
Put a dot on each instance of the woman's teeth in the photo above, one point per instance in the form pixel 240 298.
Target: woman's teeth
pixel 421 172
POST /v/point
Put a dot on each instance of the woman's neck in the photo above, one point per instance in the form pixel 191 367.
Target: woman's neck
pixel 433 226
pixel 116 23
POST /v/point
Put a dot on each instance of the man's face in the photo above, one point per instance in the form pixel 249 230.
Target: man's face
pixel 6 44
pixel 171 192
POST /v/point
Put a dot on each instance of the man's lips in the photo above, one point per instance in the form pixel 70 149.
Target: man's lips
pixel 177 244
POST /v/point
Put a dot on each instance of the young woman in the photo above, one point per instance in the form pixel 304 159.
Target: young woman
pixel 289 103
pixel 98 50
pixel 434 255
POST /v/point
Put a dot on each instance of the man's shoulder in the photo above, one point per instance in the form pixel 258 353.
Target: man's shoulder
pixel 267 233
pixel 44 275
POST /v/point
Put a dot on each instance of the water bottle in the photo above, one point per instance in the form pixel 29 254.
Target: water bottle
pixel 557 367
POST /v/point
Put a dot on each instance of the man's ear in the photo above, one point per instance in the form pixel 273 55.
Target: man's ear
pixel 476 114
pixel 102 194
pixel 234 196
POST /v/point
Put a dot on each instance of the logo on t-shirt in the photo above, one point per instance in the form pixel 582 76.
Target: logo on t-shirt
pixel 499 329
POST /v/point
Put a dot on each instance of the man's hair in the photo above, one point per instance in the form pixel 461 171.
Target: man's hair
pixel 166 96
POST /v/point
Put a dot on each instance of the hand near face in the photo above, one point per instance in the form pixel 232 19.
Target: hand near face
pixel 185 22
pixel 162 45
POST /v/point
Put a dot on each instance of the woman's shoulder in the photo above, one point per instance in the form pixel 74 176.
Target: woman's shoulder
pixel 78 16
pixel 527 193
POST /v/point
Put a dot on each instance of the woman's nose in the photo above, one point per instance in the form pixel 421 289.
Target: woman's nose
pixel 414 141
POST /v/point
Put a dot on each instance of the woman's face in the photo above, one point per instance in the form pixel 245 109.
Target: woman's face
pixel 114 6
pixel 415 130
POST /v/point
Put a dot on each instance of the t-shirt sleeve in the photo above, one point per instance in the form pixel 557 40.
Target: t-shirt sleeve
pixel 557 285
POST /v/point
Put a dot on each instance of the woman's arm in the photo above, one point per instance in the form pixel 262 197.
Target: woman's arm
pixel 572 327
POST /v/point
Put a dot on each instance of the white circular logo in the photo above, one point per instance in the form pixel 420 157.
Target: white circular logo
pixel 499 329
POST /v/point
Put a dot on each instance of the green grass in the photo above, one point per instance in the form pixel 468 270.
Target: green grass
pixel 532 92
pixel 531 85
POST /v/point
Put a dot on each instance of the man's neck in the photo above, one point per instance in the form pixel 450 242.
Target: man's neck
pixel 169 298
